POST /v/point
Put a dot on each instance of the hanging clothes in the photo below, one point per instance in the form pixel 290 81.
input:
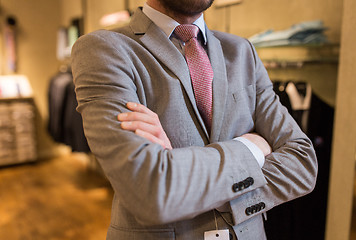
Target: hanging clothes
pixel 296 96
pixel 65 123
pixel 305 217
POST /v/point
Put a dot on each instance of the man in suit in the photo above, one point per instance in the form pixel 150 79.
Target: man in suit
pixel 175 176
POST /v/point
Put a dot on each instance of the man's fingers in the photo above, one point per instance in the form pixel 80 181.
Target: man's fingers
pixel 136 107
pixel 150 137
pixel 138 117
pixel 144 123
pixel 134 125
pixel 139 113
pixel 149 115
pixel 259 141
pixel 133 116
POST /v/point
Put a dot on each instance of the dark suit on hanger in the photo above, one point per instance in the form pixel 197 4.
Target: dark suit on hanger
pixel 65 124
pixel 305 218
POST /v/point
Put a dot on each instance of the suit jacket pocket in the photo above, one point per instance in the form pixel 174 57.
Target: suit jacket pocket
pixel 117 233
pixel 239 116
pixel 243 93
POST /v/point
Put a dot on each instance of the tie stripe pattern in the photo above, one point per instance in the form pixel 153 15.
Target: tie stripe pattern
pixel 200 69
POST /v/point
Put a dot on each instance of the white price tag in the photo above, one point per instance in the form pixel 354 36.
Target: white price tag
pixel 217 235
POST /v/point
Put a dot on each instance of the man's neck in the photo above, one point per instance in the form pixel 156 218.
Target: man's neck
pixel 182 19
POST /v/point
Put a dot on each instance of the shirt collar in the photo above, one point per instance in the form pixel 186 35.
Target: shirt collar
pixel 168 24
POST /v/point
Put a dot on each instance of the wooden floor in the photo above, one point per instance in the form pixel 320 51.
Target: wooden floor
pixel 57 199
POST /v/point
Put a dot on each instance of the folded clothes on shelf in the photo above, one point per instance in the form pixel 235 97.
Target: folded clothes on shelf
pixel 310 32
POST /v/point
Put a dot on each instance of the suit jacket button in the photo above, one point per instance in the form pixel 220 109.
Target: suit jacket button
pixel 241 185
pixel 235 187
pixel 250 180
pixel 254 209
pixel 246 184
pixel 263 205
pixel 238 186
pixel 248 211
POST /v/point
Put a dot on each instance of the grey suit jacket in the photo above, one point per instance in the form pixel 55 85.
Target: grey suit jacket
pixel 169 194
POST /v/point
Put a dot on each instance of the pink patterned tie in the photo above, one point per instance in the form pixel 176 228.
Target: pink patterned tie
pixel 200 69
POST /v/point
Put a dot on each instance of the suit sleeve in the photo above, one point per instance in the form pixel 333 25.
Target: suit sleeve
pixel 291 169
pixel 156 185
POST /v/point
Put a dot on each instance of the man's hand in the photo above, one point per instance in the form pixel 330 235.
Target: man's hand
pixel 259 142
pixel 144 123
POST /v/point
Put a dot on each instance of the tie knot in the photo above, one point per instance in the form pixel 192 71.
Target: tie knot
pixel 186 32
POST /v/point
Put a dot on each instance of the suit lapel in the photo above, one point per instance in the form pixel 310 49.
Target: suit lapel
pixel 164 50
pixel 220 85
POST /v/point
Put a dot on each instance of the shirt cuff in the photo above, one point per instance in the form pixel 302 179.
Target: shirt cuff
pixel 256 151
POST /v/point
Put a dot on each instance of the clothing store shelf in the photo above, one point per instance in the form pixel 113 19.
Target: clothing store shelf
pixel 17 131
pixel 16 99
pixel 296 56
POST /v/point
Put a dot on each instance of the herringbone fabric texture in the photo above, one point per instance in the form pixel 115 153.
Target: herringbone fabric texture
pixel 200 69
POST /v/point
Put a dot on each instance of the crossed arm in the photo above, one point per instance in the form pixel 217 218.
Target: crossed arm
pixel 146 124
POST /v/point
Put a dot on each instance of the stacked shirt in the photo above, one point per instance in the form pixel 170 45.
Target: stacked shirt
pixel 311 32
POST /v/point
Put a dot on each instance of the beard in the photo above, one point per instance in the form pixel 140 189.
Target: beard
pixel 187 7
